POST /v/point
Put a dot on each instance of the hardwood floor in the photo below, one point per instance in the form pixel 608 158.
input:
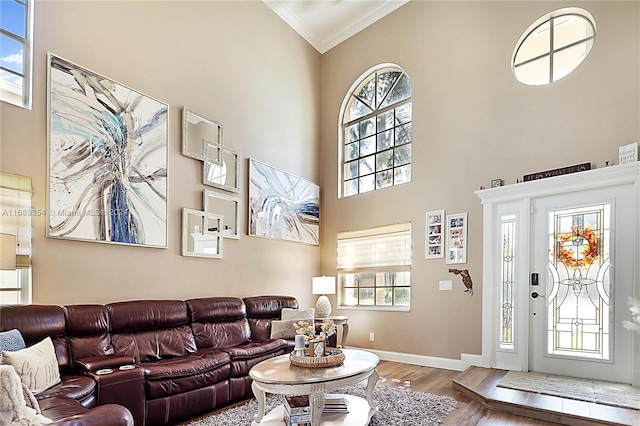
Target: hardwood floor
pixel 440 382
pixel 480 402
pixel 474 407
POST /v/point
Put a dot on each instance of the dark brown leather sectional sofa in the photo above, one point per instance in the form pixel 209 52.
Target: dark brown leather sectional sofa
pixel 190 357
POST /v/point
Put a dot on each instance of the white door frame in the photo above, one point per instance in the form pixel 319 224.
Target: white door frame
pixel 516 199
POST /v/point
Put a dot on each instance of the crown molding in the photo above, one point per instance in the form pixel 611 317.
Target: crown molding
pixel 324 42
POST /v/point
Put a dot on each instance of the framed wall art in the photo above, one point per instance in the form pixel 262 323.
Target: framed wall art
pixel 282 206
pixel 435 235
pixel 457 238
pixel 107 160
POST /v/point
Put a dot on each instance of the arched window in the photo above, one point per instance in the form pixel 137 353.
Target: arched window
pixel 376 119
pixel 553 46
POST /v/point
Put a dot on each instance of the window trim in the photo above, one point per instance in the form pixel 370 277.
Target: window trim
pixel 342 125
pixel 27 57
pixel 550 17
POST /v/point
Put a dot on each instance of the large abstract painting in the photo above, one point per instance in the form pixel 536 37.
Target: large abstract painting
pixel 107 159
pixel 282 206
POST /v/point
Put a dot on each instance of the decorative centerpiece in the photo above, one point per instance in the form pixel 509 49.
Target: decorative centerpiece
pixel 317 354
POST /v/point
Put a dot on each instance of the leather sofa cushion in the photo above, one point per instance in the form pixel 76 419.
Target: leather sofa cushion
pixel 241 367
pixel 268 306
pixel 260 329
pixel 37 322
pixel 221 334
pixel 182 374
pixel 184 366
pixel 70 412
pixel 154 345
pixel 141 315
pixel 212 309
pixel 261 310
pixel 88 330
pixel 255 349
pixel 59 407
pixel 72 386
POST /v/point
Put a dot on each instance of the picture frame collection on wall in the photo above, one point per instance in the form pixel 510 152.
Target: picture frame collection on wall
pixel 446 236
pixel 107 175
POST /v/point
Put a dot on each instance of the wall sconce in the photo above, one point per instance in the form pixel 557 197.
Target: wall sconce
pixel 323 285
pixel 7 252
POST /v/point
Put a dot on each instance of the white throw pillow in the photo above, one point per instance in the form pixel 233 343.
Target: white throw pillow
pixel 298 314
pixel 283 329
pixel 36 365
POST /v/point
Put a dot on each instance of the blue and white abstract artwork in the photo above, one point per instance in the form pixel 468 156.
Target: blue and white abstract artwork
pixel 282 206
pixel 107 160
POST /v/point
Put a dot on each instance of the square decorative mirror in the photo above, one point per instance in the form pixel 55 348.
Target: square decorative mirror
pixel 200 235
pixel 225 174
pixel 226 206
pixel 197 131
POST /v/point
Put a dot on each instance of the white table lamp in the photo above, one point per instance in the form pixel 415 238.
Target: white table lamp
pixel 323 286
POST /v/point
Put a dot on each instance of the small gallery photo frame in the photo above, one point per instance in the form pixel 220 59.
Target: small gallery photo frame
pixel 434 239
pixel 496 183
pixel 457 238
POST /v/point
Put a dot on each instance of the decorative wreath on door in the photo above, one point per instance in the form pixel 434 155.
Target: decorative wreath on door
pixel 587 238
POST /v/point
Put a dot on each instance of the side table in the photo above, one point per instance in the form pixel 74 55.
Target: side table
pixel 337 320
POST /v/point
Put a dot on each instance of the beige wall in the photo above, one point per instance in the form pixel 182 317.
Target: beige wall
pixel 472 123
pixel 236 62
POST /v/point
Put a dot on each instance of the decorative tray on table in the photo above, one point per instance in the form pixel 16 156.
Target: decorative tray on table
pixel 332 358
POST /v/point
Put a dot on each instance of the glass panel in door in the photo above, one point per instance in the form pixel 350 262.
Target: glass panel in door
pixel 578 285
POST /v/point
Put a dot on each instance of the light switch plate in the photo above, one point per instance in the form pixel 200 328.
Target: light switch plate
pixel 446 285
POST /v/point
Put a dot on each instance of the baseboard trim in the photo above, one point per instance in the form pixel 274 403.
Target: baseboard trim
pixel 465 361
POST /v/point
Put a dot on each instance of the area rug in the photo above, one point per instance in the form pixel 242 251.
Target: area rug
pixel 398 407
pixel 615 394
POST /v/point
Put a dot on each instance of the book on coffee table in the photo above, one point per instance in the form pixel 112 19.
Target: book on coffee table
pixel 335 403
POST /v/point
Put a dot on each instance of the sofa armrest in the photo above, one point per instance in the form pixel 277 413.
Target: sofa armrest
pixel 104 415
pixel 95 363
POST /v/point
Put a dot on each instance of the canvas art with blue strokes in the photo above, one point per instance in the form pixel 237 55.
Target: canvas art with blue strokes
pixel 107 160
pixel 282 206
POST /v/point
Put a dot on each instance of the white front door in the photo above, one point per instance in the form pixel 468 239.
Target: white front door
pixel 582 252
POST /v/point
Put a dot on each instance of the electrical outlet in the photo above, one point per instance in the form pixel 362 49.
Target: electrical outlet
pixel 372 337
pixel 446 285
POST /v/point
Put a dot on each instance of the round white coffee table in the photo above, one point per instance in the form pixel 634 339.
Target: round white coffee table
pixel 278 376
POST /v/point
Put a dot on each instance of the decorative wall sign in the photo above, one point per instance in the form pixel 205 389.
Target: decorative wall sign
pixel 628 153
pixel 435 232
pixel 557 172
pixel 107 161
pixel 282 206
pixel 457 238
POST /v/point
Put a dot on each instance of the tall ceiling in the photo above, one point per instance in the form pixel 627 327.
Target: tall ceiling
pixel 327 23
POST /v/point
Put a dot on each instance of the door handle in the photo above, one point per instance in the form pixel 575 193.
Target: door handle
pixel 535 295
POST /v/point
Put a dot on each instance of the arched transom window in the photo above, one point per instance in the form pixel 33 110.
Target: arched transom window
pixel 376 132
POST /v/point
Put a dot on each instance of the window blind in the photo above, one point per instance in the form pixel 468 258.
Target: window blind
pixel 376 247
pixel 16 212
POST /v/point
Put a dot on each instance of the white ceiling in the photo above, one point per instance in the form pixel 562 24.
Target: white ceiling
pixel 327 23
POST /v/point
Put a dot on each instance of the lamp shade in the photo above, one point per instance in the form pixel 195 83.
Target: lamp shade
pixel 7 252
pixel 323 285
